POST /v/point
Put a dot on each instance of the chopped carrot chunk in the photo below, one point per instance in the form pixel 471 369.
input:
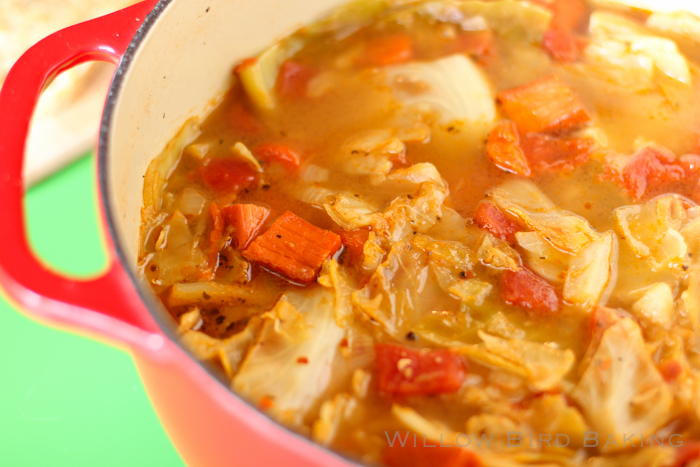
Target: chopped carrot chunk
pixel 561 45
pixel 404 371
pixel 277 152
pixel 226 176
pixel 246 220
pixel 217 231
pixel 550 152
pixel 293 248
pixel 651 170
pixel 424 453
pixel 354 241
pixel 504 150
pixel 670 370
pixel 490 218
pixel 544 105
pixel 524 288
pixel 293 79
pixel 389 50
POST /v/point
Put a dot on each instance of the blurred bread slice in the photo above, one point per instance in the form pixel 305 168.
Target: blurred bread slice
pixel 67 118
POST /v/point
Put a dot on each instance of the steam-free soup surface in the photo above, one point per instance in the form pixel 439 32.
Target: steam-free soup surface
pixel 456 220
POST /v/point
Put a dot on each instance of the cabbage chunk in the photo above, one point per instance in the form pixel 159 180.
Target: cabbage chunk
pixel 540 256
pixel 651 230
pixel 453 88
pixel 592 272
pixel 301 325
pixel 628 54
pixel 562 229
pixel 655 304
pixel 621 392
pixel 509 18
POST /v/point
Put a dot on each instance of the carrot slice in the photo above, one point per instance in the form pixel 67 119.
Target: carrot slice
pixel 544 105
pixel 389 50
pixel 293 79
pixel 550 152
pixel 278 152
pixel 524 288
pixel 246 220
pixel 354 241
pixel 405 371
pixel 226 176
pixel 426 453
pixel 504 150
pixel 561 45
pixel 490 218
pixel 293 248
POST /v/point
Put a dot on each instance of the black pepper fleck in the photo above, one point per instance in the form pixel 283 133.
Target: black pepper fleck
pixel 206 296
pixel 220 320
pixel 411 336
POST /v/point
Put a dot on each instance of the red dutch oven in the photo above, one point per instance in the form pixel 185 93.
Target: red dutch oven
pixel 174 62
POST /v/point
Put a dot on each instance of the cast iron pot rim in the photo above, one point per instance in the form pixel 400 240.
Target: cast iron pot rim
pixel 149 299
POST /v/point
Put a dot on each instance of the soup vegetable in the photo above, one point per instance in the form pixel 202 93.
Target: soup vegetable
pixel 463 224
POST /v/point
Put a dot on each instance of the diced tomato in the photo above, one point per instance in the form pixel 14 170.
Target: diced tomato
pixel 354 241
pixel 293 248
pixel 246 220
pixel 280 153
pixel 546 152
pixel 247 63
pixel 243 119
pixel 561 45
pixel 479 44
pixel 651 170
pixel 687 453
pixel 524 288
pixel 403 371
pixel 293 79
pixel 503 148
pixel 489 217
pixel 424 454
pixel 217 230
pixel 388 50
pixel 670 370
pixel 227 176
pixel 544 105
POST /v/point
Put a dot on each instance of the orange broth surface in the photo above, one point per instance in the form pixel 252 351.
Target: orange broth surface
pixel 499 390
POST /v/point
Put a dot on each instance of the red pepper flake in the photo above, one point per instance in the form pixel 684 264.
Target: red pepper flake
pixel 302 360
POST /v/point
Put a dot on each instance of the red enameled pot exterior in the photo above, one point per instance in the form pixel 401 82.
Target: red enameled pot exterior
pixel 209 426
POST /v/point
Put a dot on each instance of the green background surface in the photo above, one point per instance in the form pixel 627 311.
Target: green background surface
pixel 67 401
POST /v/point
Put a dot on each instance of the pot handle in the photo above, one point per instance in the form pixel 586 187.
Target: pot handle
pixel 106 306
